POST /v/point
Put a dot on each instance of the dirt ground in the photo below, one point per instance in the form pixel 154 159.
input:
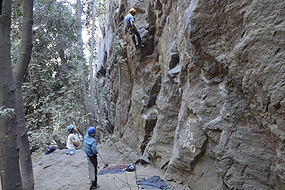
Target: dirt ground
pixel 58 171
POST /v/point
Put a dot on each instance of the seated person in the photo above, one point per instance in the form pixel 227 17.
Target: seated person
pixel 73 141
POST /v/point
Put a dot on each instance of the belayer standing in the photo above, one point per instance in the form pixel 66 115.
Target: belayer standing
pixel 90 148
pixel 131 28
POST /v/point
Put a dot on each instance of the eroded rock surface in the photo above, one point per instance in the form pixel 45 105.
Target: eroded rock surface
pixel 205 99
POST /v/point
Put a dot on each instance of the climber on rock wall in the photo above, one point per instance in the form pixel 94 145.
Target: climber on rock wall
pixel 131 28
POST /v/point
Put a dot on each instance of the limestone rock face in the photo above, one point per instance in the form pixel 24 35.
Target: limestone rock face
pixel 205 99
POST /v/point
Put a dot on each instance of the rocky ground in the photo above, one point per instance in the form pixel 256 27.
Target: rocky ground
pixel 58 171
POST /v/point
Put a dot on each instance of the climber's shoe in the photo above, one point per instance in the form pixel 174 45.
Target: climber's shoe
pixel 139 46
pixel 94 187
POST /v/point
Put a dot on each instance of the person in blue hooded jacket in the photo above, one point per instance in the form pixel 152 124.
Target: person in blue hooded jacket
pixel 90 148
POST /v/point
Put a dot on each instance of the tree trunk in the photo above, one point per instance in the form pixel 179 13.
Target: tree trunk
pixel 1 1
pixel 79 28
pixel 9 154
pixel 89 108
pixel 92 84
pixel 19 72
pixel 62 59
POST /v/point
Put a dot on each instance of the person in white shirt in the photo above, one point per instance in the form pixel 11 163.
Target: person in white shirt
pixel 73 141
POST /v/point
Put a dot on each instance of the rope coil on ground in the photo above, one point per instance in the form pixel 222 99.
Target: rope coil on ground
pixel 122 153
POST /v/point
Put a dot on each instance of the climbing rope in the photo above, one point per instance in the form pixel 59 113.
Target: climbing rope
pixel 120 121
pixel 106 165
pixel 126 156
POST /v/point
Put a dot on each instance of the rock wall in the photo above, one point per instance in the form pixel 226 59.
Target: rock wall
pixel 205 99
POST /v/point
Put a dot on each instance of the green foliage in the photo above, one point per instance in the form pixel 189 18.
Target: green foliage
pixel 16 18
pixel 53 96
pixel 102 7
pixel 4 112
